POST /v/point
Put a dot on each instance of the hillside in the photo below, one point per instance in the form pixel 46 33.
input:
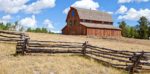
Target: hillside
pixel 64 64
pixel 113 43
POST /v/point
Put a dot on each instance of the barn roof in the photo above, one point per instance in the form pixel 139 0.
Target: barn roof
pixel 93 15
pixel 93 25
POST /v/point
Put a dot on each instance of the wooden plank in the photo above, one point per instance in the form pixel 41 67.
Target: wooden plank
pixel 110 54
pixel 115 51
pixel 145 63
pixel 112 58
pixel 52 51
pixel 111 49
pixel 108 63
pixel 55 41
pixel 8 36
pixel 8 32
pixel 54 46
pixel 4 39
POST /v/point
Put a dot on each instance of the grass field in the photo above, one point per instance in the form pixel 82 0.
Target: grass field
pixel 64 64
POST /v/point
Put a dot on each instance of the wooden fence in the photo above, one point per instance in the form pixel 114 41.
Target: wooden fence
pixel 12 36
pixel 127 60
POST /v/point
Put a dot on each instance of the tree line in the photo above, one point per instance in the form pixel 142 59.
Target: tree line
pixel 15 27
pixel 5 27
pixel 140 31
pixel 39 30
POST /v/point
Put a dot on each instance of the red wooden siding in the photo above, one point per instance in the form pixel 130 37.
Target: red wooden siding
pixel 77 29
pixel 103 32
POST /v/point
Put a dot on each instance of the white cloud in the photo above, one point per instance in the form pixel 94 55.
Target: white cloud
pixel 133 14
pixel 28 22
pixel 87 4
pixel 12 6
pixel 37 6
pixel 66 10
pixel 124 1
pixel 48 24
pixel 15 6
pixel 109 12
pixel 54 31
pixel 122 9
pixel 128 1
pixel 6 19
pixel 141 0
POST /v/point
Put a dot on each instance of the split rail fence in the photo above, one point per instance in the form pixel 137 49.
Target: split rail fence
pixel 127 60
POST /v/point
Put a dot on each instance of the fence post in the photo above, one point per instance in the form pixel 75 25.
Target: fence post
pixel 84 46
pixel 23 43
pixel 136 62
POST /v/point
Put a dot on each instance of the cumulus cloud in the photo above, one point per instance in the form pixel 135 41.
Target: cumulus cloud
pixel 87 4
pixel 128 1
pixel 15 6
pixel 124 1
pixel 37 6
pixel 6 19
pixel 12 6
pixel 28 22
pixel 122 9
pixel 48 24
pixel 109 12
pixel 54 31
pixel 133 14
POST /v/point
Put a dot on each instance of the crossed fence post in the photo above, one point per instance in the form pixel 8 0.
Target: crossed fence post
pixel 84 46
pixel 23 44
pixel 136 62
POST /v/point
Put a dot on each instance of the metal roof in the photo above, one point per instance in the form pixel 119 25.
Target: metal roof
pixel 93 15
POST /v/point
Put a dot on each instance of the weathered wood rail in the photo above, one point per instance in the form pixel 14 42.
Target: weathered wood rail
pixel 127 60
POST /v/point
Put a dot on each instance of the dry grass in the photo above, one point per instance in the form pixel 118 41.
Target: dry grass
pixel 117 44
pixel 48 64
pixel 62 64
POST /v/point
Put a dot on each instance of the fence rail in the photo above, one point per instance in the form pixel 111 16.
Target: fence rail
pixel 128 60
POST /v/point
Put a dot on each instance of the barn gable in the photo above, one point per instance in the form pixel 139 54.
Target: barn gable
pixel 89 22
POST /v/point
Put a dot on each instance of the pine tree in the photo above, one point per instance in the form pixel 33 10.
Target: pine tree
pixel 149 31
pixel 122 25
pixel 143 27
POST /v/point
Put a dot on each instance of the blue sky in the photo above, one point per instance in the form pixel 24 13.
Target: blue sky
pixel 52 13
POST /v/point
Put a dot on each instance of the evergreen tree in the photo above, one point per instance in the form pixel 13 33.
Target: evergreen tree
pixel 29 30
pixel 7 26
pixel 122 25
pixel 133 32
pixel 149 31
pixel 2 26
pixel 38 30
pixel 44 30
pixel 143 27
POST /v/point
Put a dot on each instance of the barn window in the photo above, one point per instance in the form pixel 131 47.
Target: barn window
pixel 73 13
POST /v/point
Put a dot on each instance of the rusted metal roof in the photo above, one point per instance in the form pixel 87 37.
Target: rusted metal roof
pixel 93 15
pixel 94 25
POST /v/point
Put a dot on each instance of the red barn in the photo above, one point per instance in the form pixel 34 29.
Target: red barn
pixel 89 22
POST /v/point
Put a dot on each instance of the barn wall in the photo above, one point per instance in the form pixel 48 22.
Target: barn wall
pixel 75 28
pixel 103 32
